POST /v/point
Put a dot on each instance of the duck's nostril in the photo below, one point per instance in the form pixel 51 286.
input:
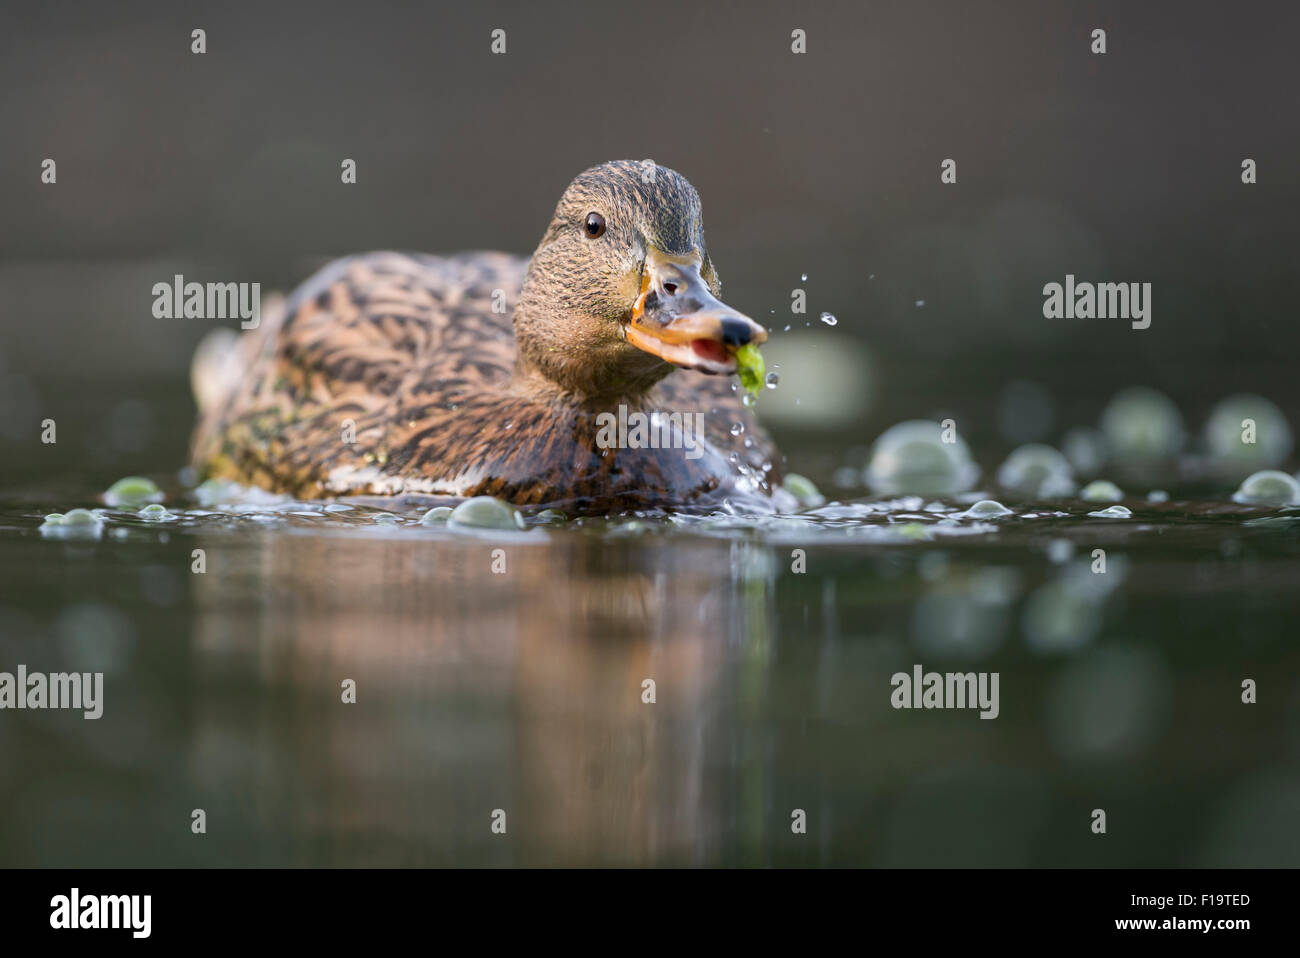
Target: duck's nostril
pixel 736 332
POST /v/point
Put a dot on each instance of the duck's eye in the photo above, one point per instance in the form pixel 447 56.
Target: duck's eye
pixel 595 225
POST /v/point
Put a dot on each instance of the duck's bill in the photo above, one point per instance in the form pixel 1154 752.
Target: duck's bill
pixel 677 319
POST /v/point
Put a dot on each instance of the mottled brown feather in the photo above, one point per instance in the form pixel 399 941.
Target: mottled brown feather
pixel 407 352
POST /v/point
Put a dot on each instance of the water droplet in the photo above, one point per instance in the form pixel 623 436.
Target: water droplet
pixel 986 509
pixel 802 489
pixel 1037 471
pixel 1232 453
pixel 911 457
pixel 1269 487
pixel 771 380
pixel 803 277
pixel 1142 425
pixel 737 428
pixel 920 303
pixel 1101 490
pixel 828 319
pixel 486 512
pixel 747 399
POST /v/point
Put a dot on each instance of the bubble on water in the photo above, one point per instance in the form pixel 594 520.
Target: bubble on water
pixel 1141 425
pixel 485 512
pixel 436 516
pixel 132 491
pixel 1236 449
pixel 1111 703
pixel 1157 495
pixel 986 509
pixel 1101 490
pixel 1037 471
pixel 74 524
pixel 803 490
pixel 920 303
pixel 338 507
pixel 911 457
pixel 1268 487
pixel 1112 512
pixel 737 428
pixel 771 380
pixel 80 517
pixel 154 513
pixel 829 319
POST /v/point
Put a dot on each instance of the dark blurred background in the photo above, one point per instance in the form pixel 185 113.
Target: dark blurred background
pixel 226 167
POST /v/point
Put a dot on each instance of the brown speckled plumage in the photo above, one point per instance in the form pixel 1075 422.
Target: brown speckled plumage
pixel 446 395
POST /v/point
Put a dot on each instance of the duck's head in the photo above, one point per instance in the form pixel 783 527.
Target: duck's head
pixel 622 290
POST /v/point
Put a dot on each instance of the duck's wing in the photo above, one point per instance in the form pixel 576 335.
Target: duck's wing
pixel 312 392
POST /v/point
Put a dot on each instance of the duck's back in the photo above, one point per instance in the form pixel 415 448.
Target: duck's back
pixel 311 392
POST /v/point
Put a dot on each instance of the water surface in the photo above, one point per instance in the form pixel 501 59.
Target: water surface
pixel 522 690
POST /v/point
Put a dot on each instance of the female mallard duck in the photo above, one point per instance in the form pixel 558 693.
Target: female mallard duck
pixel 487 374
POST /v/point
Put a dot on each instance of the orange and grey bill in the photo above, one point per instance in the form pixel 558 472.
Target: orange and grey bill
pixel 679 320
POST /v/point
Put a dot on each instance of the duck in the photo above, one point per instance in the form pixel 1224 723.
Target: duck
pixel 411 375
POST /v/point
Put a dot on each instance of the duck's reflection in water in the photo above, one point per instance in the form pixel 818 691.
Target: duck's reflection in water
pixel 526 690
